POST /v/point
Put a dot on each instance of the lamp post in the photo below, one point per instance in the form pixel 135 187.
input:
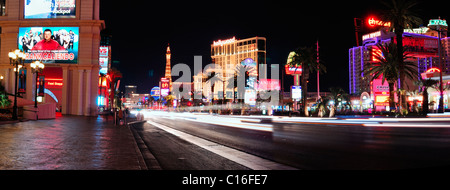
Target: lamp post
pixel 16 59
pixel 440 26
pixel 36 67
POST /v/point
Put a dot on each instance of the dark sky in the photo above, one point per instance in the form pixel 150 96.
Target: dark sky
pixel 141 30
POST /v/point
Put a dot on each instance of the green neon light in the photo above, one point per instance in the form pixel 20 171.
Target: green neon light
pixel 438 22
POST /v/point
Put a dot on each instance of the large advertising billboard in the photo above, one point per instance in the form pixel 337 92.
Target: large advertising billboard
pixel 44 9
pixel 49 44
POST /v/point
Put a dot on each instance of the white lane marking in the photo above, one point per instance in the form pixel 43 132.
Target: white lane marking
pixel 247 160
pixel 406 125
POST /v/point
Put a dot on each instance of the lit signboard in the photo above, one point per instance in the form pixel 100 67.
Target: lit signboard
pixel 381 100
pixel 53 83
pixel 103 51
pixel 293 70
pixel 104 59
pixel 433 72
pixel 371 35
pixel 49 44
pixel 374 22
pixel 437 22
pixel 46 9
pixel 381 92
pixel 268 84
pixel 223 42
pixel 165 87
pixel 421 30
pixel 296 92
pixel 250 97
pixel 155 92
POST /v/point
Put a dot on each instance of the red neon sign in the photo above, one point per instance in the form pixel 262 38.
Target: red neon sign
pixel 433 70
pixel 293 70
pixel 374 22
pixel 53 82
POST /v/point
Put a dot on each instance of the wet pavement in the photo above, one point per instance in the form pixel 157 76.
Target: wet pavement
pixel 68 143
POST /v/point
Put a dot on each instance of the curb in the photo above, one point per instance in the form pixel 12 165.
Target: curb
pixel 146 160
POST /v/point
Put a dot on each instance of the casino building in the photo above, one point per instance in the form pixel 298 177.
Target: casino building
pixel 72 72
pixel 228 54
pixel 420 43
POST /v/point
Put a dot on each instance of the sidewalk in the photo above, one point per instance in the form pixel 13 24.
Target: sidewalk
pixel 69 143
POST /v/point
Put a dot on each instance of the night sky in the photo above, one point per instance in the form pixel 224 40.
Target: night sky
pixel 142 29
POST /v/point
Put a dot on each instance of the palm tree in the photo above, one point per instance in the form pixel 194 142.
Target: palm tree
pixel 425 84
pixel 169 101
pixel 239 74
pixel 232 83
pixel 402 14
pixel 212 79
pixel 388 68
pixel 306 57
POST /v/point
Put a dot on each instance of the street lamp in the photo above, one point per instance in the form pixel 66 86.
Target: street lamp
pixel 36 67
pixel 440 26
pixel 16 59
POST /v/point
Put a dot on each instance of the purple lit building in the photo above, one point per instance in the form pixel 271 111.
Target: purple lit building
pixel 420 43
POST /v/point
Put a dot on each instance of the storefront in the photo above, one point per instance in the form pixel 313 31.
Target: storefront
pixel 68 45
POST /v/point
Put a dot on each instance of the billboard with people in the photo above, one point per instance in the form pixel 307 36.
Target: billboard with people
pixel 49 44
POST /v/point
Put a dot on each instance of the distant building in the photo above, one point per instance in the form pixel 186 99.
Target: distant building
pixel 228 54
pixel 130 89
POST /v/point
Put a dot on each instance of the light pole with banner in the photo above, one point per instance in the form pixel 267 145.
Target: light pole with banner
pixel 16 59
pixel 36 67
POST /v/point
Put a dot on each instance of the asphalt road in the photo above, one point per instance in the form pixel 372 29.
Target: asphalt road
pixel 310 145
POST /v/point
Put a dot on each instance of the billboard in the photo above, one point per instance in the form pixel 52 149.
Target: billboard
pixel 380 91
pixel 296 92
pixel 49 44
pixel 268 84
pixel 103 59
pixel 47 9
pixel 164 87
pixel 293 70
pixel 155 92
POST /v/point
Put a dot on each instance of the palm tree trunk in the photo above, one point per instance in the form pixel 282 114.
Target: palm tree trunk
pixel 391 96
pixel 425 102
pixel 304 85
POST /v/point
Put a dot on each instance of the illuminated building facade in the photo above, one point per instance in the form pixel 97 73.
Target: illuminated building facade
pixel 422 47
pixel 72 71
pixel 228 54
pixel 420 43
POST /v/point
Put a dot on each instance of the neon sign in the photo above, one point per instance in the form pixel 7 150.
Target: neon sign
pixel 437 22
pixel 433 70
pixel 53 82
pixel 371 35
pixel 221 43
pixel 293 70
pixel 373 22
